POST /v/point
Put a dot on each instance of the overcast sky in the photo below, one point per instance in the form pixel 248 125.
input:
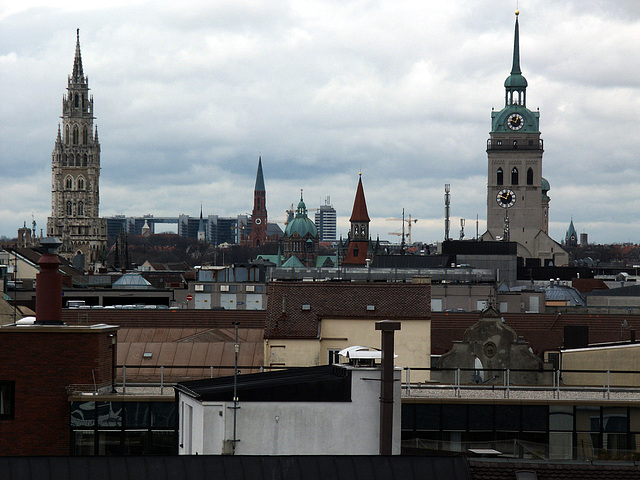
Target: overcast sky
pixel 188 94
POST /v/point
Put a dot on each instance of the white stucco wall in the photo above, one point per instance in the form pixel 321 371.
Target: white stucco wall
pixel 298 428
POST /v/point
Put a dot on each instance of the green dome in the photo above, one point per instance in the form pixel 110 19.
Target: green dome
pixel 515 80
pixel 545 185
pixel 302 224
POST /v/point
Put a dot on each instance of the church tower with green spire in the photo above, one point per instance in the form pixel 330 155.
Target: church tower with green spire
pixel 517 200
pixel 75 193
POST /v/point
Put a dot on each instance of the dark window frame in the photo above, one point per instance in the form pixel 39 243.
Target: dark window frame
pixel 8 391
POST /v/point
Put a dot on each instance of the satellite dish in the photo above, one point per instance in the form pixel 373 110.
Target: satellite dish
pixel 478 374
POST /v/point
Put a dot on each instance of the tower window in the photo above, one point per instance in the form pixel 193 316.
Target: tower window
pixel 80 208
pixel 514 176
pixel 65 162
pixel 75 134
pixel 68 183
pixel 76 100
pixel 85 136
pixel 84 160
pixel 66 134
pixel 81 184
pixel 69 208
pixel 500 177
pixel 530 177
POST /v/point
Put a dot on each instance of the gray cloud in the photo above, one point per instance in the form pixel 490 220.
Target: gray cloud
pixel 187 95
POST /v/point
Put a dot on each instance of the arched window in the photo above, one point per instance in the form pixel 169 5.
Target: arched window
pixel 76 100
pixel 72 160
pixel 65 162
pixel 530 176
pixel 84 160
pixel 81 183
pixel 68 184
pixel 69 208
pixel 75 135
pixel 85 135
pixel 80 208
pixel 514 176
pixel 500 177
pixel 66 134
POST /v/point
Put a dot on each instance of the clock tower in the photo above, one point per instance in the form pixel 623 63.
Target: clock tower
pixel 517 201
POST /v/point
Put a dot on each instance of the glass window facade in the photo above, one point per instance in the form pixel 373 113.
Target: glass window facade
pixel 542 431
pixel 123 428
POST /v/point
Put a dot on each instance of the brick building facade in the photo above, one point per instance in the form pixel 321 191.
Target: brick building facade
pixel 40 366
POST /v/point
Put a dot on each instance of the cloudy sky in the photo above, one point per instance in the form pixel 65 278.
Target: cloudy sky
pixel 188 94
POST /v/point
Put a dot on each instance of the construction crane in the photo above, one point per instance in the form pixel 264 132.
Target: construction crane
pixel 409 221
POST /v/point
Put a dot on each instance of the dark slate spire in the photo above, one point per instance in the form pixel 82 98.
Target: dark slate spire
pixel 259 178
pixel 515 68
pixel 78 74
pixel 516 84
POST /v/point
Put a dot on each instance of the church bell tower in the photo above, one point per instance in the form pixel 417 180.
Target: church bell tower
pixel 75 198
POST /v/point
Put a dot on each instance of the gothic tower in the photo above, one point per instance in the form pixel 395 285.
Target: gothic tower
pixel 517 200
pixel 75 198
pixel 258 235
pixel 359 233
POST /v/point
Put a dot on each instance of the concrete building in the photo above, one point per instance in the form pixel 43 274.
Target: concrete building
pixel 75 193
pixel 328 410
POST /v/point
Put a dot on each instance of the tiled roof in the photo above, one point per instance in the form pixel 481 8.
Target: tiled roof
pixel 294 309
pixel 359 212
pixel 485 469
pixel 157 318
pixel 543 331
pixel 584 285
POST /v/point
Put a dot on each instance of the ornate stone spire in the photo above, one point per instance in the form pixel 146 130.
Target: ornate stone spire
pixel 78 74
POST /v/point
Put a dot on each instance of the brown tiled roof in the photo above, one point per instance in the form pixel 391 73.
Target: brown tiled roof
pixel 286 317
pixel 165 317
pixel 542 331
pixel 485 469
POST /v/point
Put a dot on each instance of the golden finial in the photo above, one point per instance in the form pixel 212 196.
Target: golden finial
pixel 517 7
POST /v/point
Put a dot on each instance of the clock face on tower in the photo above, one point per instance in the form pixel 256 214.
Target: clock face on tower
pixel 258 221
pixel 506 198
pixel 515 121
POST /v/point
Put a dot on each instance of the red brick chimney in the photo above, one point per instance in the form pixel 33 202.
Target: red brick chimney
pixel 49 285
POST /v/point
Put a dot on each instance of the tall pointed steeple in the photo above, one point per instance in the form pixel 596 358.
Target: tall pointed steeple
pixel 202 233
pixel 258 235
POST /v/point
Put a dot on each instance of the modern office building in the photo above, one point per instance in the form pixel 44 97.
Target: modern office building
pixel 326 221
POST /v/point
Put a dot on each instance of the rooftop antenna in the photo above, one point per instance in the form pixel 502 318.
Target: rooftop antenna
pixel 477 227
pixel 447 200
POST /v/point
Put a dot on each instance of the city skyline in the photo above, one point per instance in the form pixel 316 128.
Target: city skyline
pixel 187 97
